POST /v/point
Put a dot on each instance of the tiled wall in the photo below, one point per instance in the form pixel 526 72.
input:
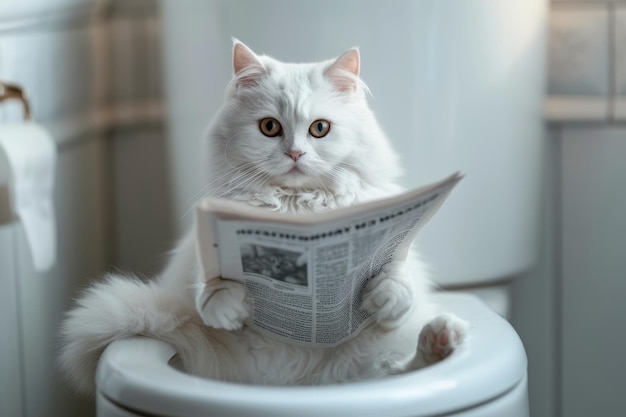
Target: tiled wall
pixel 587 61
pixel 586 112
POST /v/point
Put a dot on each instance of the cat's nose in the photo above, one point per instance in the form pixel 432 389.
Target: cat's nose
pixel 295 155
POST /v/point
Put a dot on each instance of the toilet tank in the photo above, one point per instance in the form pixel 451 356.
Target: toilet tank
pixel 457 85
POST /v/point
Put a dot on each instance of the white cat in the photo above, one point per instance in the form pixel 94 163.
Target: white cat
pixel 291 138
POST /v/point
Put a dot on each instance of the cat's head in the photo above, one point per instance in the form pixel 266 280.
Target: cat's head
pixel 299 126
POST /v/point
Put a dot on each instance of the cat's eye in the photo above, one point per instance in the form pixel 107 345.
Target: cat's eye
pixel 270 127
pixel 319 128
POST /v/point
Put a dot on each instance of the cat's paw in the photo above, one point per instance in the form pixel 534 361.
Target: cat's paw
pixel 387 297
pixel 222 305
pixel 441 336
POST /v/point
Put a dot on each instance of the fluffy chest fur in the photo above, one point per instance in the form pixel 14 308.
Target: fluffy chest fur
pixel 289 200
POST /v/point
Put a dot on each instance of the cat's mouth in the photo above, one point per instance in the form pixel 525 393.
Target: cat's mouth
pixel 295 177
pixel 295 170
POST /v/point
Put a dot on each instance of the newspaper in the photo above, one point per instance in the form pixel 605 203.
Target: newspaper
pixel 305 274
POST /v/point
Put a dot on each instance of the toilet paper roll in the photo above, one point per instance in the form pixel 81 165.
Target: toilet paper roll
pixel 27 167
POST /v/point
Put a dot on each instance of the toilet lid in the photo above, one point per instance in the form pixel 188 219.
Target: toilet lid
pixel 134 373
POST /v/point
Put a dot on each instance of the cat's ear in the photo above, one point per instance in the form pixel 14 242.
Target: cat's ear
pixel 246 65
pixel 344 72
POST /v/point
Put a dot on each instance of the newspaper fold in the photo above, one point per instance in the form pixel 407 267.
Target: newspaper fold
pixel 305 274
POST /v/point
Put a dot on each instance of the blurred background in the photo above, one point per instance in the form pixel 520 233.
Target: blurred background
pixel 102 78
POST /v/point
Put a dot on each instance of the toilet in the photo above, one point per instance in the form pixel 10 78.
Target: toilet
pixel 471 101
pixel 485 377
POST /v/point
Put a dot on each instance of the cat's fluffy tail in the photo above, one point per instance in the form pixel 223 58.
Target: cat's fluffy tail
pixel 122 306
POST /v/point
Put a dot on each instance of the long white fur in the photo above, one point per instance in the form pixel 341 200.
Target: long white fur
pixel 353 163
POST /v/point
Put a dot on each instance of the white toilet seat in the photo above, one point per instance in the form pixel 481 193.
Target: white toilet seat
pixel 134 374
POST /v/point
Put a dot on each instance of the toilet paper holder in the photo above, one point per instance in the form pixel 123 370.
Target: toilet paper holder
pixel 9 91
pixel 12 91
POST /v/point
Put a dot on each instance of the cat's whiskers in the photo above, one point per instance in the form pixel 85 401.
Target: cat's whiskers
pixel 335 175
pixel 246 169
pixel 319 178
pixel 251 176
pixel 341 163
pixel 260 179
pixel 241 176
pixel 203 191
pixel 254 181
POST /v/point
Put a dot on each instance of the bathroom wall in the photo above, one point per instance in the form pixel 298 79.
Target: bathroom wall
pixel 569 310
pixel 92 72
